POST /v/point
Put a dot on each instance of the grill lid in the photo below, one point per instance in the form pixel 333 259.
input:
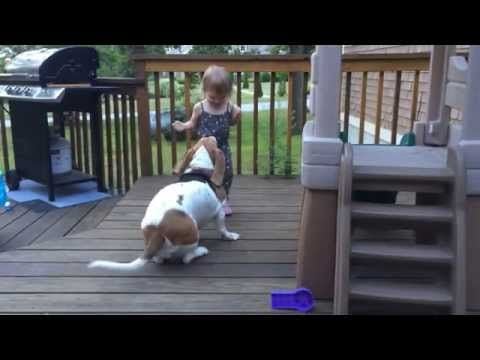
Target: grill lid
pixel 76 64
pixel 29 62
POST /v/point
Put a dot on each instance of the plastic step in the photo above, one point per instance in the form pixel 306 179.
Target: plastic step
pixel 417 213
pixel 401 292
pixel 402 251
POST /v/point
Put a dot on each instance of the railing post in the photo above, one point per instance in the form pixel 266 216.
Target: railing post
pixel 435 129
pixel 143 120
pixel 321 152
pixel 326 77
pixel 471 114
pixel 321 146
pixel 470 147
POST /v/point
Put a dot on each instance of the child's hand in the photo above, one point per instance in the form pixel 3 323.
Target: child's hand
pixel 178 126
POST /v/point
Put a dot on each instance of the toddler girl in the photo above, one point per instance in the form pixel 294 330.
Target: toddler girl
pixel 213 116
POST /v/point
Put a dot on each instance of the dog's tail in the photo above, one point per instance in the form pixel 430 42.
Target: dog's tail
pixel 112 265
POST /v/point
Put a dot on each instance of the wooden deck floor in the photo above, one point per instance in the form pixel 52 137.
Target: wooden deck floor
pixel 35 221
pixel 236 277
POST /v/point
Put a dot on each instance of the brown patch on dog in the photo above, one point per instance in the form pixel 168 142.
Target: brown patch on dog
pixel 176 226
pixel 179 228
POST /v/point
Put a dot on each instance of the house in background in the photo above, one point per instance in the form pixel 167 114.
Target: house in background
pixel 389 89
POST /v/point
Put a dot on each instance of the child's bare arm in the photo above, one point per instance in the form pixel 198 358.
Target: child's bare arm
pixel 236 114
pixel 190 124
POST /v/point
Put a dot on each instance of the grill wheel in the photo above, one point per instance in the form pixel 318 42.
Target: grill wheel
pixel 13 180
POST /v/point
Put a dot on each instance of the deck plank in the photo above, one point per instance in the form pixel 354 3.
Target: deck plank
pixel 66 269
pixel 143 303
pixel 252 225
pixel 85 256
pixel 130 244
pixel 16 211
pixel 122 214
pixel 36 229
pixel 144 285
pixel 62 227
pixel 96 215
pixel 204 234
pixel 8 233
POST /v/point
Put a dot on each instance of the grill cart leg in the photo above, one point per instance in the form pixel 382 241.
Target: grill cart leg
pixel 96 131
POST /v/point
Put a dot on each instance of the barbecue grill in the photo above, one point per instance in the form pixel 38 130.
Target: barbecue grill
pixel 52 83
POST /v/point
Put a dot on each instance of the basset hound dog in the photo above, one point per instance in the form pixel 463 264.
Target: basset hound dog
pixel 178 211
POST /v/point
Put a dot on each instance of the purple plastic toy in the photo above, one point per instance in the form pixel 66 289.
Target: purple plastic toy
pixel 299 299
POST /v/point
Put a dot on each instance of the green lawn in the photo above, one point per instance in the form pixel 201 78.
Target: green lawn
pixel 195 95
pixel 247 96
pixel 247 146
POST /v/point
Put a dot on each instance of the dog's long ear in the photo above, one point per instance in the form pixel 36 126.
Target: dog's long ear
pixel 154 241
pixel 210 144
pixel 183 164
pixel 179 228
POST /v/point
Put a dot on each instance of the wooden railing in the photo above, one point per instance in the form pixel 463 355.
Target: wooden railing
pixel 151 67
pixel 380 65
pixel 129 150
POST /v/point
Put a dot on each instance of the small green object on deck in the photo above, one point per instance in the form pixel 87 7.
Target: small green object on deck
pixel 408 139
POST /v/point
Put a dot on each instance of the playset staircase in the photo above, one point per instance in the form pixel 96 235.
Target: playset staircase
pixel 395 258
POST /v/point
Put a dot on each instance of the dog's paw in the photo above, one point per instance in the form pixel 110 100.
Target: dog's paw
pixel 187 259
pixel 230 236
pixel 201 251
pixel 198 252
pixel 158 260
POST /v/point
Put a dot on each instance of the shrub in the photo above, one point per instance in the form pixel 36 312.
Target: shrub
pixel 245 82
pixel 281 76
pixel 282 88
pixel 259 90
pixel 264 77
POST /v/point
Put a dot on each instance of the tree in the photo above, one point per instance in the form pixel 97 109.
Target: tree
pixel 259 89
pixel 245 81
pixel 279 49
pixel 282 89
pixel 210 49
pixel 298 85
pixel 115 60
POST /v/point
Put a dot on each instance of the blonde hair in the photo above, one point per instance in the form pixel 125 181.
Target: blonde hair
pixel 216 78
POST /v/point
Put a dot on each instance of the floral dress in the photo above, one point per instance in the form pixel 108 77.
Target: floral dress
pixel 218 125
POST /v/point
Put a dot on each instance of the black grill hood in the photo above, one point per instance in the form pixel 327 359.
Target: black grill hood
pixel 70 65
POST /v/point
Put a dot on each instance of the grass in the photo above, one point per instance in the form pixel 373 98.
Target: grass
pixel 195 95
pixel 247 146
